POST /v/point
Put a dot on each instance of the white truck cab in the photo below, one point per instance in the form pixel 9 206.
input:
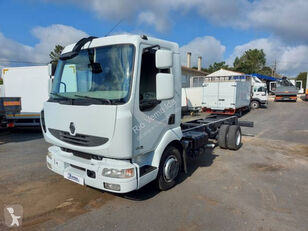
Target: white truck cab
pixel 114 115
pixel 259 93
pixel 116 99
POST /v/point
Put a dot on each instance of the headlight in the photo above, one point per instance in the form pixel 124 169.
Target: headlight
pixel 118 173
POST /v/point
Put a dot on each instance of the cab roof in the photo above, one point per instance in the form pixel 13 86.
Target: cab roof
pixel 125 39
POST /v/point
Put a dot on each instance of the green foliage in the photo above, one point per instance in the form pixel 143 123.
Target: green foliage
pixel 1 81
pixel 217 66
pixel 266 71
pixel 55 54
pixel 302 76
pixel 252 61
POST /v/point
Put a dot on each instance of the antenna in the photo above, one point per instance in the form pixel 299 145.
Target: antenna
pixel 115 26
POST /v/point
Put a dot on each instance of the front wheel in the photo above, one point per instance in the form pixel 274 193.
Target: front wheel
pixel 254 104
pixel 169 168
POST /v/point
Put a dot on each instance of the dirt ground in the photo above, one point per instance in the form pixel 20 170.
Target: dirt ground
pixel 262 186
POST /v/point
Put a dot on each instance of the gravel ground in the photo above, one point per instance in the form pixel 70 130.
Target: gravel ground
pixel 262 186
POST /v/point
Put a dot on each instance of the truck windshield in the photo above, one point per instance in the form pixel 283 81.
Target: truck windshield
pixel 100 75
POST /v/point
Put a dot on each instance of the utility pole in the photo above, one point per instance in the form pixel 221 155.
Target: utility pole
pixel 274 69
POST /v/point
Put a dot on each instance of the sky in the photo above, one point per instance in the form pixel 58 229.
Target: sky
pixel 217 30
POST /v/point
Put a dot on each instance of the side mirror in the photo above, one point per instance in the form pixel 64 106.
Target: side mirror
pixel 51 69
pixel 50 84
pixel 164 86
pixel 163 59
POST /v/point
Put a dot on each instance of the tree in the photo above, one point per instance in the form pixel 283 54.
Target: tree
pixel 266 71
pixel 302 76
pixel 252 61
pixel 55 54
pixel 217 66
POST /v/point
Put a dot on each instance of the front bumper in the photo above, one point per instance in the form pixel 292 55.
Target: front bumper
pixel 65 163
pixel 264 102
pixel 286 97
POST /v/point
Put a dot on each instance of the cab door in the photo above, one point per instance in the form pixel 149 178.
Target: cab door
pixel 152 118
pixel 260 92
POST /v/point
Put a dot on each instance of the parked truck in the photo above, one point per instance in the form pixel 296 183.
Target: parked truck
pixel 30 85
pixel 8 106
pixel 259 93
pixel 227 95
pixel 284 90
pixel 114 122
pixel 232 95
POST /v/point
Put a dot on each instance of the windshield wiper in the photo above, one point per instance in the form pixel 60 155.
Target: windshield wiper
pixel 89 97
pixel 60 96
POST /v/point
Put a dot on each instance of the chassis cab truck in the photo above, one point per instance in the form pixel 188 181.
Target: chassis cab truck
pixel 259 93
pixel 114 115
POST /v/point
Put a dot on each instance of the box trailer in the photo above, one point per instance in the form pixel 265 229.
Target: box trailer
pixel 31 85
pixel 227 95
pixel 192 99
pixel 119 126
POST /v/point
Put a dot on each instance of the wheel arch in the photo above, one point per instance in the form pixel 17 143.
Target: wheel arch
pixel 255 99
pixel 170 138
pixel 177 144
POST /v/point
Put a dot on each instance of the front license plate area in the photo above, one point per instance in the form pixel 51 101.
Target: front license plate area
pixel 73 177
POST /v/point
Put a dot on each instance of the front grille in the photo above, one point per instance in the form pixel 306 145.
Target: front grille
pixel 78 139
pixel 77 167
pixel 83 155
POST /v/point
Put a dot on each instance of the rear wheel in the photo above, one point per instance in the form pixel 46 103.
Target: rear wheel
pixel 169 168
pixel 254 104
pixel 234 137
pixel 222 136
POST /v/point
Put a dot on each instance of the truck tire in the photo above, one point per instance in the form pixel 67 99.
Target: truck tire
pixel 169 168
pixel 222 136
pixel 254 104
pixel 234 137
pixel 239 113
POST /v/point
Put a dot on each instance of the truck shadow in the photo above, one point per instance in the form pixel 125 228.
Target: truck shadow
pixel 10 135
pixel 149 191
pixel 303 98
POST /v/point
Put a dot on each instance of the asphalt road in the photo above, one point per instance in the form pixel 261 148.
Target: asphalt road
pixel 262 186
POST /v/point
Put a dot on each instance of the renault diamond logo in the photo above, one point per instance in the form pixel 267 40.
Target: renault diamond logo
pixel 72 128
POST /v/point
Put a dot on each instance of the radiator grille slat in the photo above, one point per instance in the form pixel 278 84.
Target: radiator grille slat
pixel 78 139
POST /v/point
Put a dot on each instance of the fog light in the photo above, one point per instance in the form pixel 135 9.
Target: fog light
pixel 114 187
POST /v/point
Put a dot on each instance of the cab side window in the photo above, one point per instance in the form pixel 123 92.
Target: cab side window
pixel 261 89
pixel 147 89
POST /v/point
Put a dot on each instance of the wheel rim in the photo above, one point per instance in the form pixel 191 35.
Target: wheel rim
pixel 254 105
pixel 171 168
pixel 238 138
